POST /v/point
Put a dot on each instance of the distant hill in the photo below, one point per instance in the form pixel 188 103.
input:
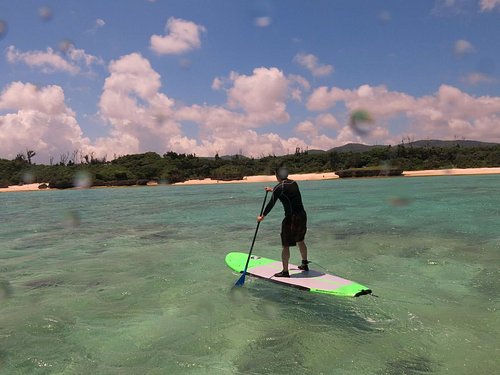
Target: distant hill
pixel 461 143
pixel 354 147
pixel 358 147
pixel 315 152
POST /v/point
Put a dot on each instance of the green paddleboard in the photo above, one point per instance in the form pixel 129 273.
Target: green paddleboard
pixel 312 280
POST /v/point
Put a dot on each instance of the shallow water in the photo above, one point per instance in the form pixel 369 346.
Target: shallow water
pixel 133 280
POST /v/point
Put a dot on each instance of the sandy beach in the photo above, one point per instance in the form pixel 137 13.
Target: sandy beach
pixel 298 177
pixel 332 175
pixel 452 172
pixel 263 178
pixel 25 187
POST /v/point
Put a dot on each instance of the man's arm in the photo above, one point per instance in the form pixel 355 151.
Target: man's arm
pixel 274 198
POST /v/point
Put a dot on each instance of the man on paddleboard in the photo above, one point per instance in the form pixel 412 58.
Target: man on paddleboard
pixel 294 225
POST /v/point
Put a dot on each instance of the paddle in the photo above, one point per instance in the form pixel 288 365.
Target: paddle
pixel 241 280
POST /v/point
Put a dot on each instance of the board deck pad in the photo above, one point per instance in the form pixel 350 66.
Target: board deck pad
pixel 312 280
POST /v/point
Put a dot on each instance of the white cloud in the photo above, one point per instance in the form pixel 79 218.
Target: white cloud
pixel 38 119
pixel 141 117
pixel 298 85
pixel 80 57
pixel 311 63
pixel 262 95
pixel 132 104
pixel 215 120
pixel 311 128
pixel 182 36
pixel 323 98
pixel 217 84
pixel 50 61
pixel 430 116
pixel 317 132
pixel 28 97
pixel 376 100
pixel 463 47
pixel 451 103
pixel 476 78
pixel 132 74
pixel 327 120
pixel 307 129
pixel 227 132
pixel 253 101
pixel 451 112
pixel 488 5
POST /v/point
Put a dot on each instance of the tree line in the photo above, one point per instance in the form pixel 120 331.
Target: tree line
pixel 172 167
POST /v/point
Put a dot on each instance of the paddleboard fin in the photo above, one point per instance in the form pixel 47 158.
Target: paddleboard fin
pixel 363 292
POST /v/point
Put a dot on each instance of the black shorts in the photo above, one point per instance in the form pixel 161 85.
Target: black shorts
pixel 293 229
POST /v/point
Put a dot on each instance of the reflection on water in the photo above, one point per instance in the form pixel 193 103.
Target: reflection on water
pixel 102 280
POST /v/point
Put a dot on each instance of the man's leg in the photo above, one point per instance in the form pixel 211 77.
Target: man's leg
pixel 303 253
pixel 285 257
pixel 285 252
pixel 303 249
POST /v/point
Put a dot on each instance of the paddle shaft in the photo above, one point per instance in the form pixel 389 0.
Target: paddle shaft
pixel 255 235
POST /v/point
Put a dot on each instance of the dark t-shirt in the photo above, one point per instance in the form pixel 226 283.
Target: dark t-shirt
pixel 287 191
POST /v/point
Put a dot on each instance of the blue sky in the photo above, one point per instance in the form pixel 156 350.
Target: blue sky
pixel 257 77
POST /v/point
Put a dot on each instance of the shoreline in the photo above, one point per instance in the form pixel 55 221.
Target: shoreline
pixel 332 176
pixel 24 187
pixel 297 177
pixel 453 172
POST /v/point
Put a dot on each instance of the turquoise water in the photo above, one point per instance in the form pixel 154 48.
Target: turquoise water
pixel 133 280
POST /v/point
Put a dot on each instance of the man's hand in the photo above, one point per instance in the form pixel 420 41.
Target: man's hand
pixel 260 218
pixel 269 189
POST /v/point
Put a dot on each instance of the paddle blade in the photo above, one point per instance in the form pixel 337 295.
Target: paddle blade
pixel 241 280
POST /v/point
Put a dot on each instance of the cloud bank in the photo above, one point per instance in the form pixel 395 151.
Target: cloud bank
pixel 140 117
